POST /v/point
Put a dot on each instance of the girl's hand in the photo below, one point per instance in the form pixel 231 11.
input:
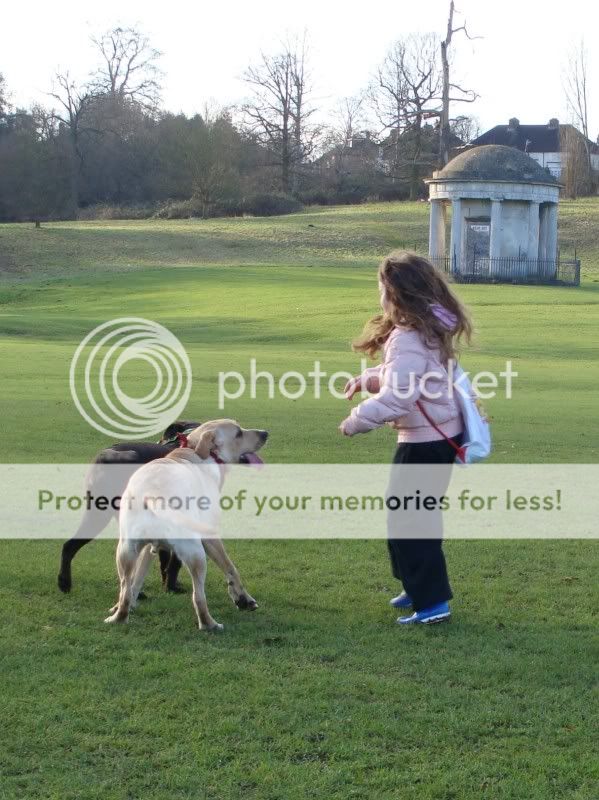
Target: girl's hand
pixel 352 386
pixel 367 382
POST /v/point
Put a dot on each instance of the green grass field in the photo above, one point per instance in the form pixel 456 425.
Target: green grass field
pixel 317 694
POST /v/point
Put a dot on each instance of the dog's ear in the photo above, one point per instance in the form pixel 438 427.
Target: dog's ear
pixel 205 444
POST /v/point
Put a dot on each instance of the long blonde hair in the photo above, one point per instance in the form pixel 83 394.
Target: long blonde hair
pixel 412 287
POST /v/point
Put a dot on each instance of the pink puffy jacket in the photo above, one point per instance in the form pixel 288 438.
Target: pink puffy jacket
pixel 410 371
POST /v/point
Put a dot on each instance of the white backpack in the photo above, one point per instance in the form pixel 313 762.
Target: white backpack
pixel 476 439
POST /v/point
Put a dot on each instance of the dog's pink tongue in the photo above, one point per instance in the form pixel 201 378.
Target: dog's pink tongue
pixel 254 460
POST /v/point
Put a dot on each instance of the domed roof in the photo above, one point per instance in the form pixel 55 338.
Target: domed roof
pixel 494 162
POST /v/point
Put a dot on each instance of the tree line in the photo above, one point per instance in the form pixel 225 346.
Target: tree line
pixel 106 146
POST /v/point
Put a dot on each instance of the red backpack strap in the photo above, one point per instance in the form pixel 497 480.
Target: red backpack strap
pixel 460 451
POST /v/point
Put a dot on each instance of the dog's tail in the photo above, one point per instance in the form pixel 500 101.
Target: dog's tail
pixel 157 507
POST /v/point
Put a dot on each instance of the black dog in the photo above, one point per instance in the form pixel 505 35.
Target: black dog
pixel 111 484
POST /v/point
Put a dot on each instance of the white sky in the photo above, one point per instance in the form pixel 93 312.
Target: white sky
pixel 516 67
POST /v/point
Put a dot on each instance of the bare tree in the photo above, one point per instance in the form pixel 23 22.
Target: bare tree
pixel 576 90
pixel 129 67
pixel 575 85
pixel 300 109
pixel 73 101
pixel 347 119
pixel 3 96
pixel 388 95
pixel 279 110
pixel 404 95
pixel 463 95
pixel 45 120
pixel 210 152
pixel 465 128
pixel 576 175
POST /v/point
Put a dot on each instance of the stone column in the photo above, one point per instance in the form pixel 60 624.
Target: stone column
pixel 456 234
pixel 436 236
pixel 543 232
pixel 533 238
pixel 551 233
pixel 496 235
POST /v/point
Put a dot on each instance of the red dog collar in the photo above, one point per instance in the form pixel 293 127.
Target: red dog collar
pixel 183 441
pixel 216 457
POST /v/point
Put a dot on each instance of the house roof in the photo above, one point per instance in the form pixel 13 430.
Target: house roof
pixel 494 162
pixel 540 138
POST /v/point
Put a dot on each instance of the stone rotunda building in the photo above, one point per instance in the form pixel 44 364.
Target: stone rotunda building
pixel 503 219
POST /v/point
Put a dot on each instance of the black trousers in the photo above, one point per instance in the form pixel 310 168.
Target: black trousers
pixel 419 563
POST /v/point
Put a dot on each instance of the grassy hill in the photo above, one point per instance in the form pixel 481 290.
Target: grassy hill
pixel 317 694
pixel 341 236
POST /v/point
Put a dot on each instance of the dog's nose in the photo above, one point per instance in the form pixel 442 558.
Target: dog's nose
pixel 264 435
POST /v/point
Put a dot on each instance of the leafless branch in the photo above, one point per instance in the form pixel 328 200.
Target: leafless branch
pixel 467 95
pixel 576 86
pixel 278 112
pixel 129 67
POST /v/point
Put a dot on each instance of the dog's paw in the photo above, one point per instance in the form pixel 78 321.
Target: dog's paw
pixel 116 618
pixel 176 589
pixel 216 628
pixel 64 583
pixel 241 598
pixel 246 603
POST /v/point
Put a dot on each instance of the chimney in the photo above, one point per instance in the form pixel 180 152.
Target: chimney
pixel 513 124
pixel 553 124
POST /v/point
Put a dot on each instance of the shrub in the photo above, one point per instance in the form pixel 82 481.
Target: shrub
pixel 270 204
pixel 193 208
pixel 351 195
pixel 260 205
pixel 107 211
pixel 397 192
pixel 180 209
pixel 316 197
pixel 227 208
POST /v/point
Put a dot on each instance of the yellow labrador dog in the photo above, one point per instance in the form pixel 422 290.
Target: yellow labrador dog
pixel 155 512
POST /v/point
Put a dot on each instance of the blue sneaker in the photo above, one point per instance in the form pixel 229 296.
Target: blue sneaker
pixel 427 616
pixel 401 601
